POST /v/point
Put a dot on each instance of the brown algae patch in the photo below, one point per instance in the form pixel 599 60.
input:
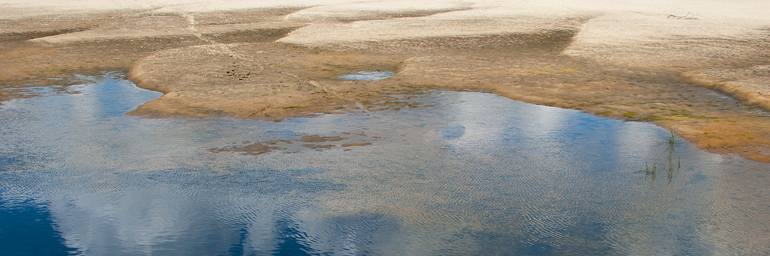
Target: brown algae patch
pixel 250 149
pixel 314 142
pixel 319 139
pixel 356 144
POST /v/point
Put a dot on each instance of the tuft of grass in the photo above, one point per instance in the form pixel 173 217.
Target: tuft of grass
pixel 650 168
pixel 673 162
pixel 671 138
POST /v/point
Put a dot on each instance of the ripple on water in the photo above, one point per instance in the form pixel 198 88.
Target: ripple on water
pixel 470 173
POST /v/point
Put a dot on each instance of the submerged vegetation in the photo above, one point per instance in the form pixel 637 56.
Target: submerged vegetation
pixel 672 163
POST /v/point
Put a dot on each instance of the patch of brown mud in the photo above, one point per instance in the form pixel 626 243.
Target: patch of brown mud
pixel 358 144
pixel 314 142
pixel 395 102
pixel 318 138
pixel 251 149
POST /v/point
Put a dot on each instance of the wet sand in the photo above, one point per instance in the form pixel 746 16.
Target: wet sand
pixel 702 74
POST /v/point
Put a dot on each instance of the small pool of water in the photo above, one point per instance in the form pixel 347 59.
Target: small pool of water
pixel 367 75
pixel 468 174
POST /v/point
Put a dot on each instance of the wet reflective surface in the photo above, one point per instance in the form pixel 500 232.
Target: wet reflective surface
pixel 469 173
pixel 367 75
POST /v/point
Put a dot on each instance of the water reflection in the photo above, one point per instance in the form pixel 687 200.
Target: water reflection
pixel 367 75
pixel 472 174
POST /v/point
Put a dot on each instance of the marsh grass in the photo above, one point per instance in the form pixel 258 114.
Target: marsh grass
pixel 673 161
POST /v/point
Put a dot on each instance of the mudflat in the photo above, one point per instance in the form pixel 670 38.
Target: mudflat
pixel 699 68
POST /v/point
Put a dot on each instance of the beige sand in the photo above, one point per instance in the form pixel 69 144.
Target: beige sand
pixel 639 60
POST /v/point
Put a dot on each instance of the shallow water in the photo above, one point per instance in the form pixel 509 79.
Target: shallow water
pixel 367 75
pixel 468 173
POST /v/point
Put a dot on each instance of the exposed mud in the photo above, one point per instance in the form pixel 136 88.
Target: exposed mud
pixel 251 149
pixel 345 140
pixel 317 138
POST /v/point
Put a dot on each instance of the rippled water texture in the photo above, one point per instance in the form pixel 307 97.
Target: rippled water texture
pixel 466 173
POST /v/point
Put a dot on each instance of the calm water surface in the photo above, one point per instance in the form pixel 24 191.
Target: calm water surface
pixel 467 173
pixel 367 75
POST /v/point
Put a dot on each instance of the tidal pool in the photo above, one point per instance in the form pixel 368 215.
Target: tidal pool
pixel 465 174
pixel 367 75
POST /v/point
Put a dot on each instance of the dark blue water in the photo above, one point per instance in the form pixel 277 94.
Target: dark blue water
pixel 30 231
pixel 466 174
